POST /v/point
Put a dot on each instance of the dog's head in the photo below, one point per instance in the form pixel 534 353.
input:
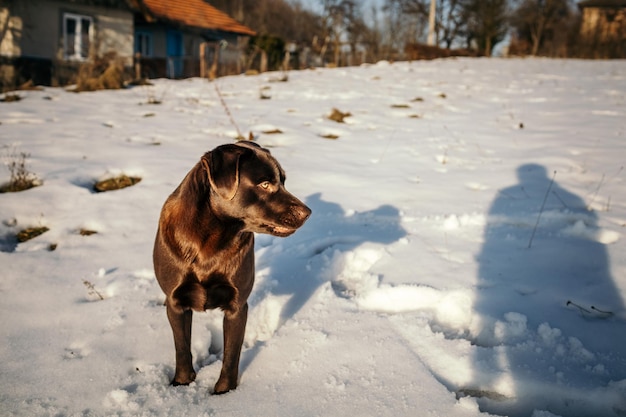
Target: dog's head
pixel 248 185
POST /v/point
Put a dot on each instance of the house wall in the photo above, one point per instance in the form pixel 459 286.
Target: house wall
pixel 603 23
pixel 9 42
pixel 160 64
pixel 39 36
pixel 191 40
pixel 32 46
pixel 42 22
pixel 115 33
pixel 602 32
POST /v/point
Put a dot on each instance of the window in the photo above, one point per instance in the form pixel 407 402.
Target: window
pixel 77 34
pixel 143 43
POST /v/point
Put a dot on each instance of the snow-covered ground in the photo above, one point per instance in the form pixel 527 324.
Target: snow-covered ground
pixel 465 256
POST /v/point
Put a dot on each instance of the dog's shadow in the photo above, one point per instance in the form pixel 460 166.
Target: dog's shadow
pixel 292 269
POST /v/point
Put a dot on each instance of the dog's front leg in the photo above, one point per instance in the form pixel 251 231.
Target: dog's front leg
pixel 180 320
pixel 234 329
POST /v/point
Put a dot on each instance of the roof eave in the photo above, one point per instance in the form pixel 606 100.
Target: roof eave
pixel 151 17
pixel 603 4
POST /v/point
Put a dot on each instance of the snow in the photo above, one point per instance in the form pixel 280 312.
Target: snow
pixel 465 255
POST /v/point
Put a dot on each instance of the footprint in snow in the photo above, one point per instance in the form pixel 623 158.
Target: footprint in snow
pixel 76 351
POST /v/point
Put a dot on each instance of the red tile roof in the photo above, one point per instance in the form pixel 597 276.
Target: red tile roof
pixel 196 13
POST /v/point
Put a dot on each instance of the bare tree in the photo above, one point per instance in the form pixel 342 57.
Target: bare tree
pixel 277 23
pixel 450 21
pixel 280 18
pixel 373 37
pixel 534 19
pixel 334 16
pixel 404 23
pixel 486 21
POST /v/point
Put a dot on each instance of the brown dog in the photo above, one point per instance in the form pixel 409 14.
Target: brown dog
pixel 204 248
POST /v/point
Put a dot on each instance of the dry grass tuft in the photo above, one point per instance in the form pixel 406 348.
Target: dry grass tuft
pixel 116 183
pixel 338 116
pixel 272 132
pixel 106 73
pixel 21 178
pixel 31 233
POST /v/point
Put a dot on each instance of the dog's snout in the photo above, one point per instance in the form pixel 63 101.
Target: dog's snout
pixel 303 212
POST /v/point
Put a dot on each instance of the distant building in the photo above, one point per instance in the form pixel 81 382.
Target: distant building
pixel 603 28
pixel 169 34
pixel 47 41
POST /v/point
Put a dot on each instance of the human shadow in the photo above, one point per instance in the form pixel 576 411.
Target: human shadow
pixel 544 276
pixel 295 267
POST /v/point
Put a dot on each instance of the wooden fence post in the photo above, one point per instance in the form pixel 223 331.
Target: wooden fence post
pixel 216 60
pixel 203 72
pixel 138 66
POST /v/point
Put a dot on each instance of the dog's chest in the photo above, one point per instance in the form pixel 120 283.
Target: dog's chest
pixel 226 260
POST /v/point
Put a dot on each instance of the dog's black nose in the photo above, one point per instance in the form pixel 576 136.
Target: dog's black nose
pixel 302 212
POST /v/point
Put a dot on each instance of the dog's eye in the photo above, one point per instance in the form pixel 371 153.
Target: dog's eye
pixel 265 185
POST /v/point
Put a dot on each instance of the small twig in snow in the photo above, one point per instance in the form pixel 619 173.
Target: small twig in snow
pixel 230 116
pixel 545 198
pixel 384 152
pixel 599 313
pixel 91 289
pixel 595 194
pixel 560 199
pixel 606 313
pixel 582 309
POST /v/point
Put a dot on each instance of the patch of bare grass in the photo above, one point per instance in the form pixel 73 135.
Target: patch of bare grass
pixel 338 116
pixel 30 233
pixel 10 98
pixel 115 183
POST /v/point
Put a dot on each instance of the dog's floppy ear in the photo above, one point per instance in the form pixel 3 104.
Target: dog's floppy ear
pixel 222 167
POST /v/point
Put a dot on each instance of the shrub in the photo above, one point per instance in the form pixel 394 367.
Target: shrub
pixel 21 178
pixel 103 73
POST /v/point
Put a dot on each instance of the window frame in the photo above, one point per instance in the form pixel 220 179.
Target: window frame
pixel 80 52
pixel 144 43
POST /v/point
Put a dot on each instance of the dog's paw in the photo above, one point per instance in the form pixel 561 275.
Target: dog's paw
pixel 176 383
pixel 188 379
pixel 223 386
